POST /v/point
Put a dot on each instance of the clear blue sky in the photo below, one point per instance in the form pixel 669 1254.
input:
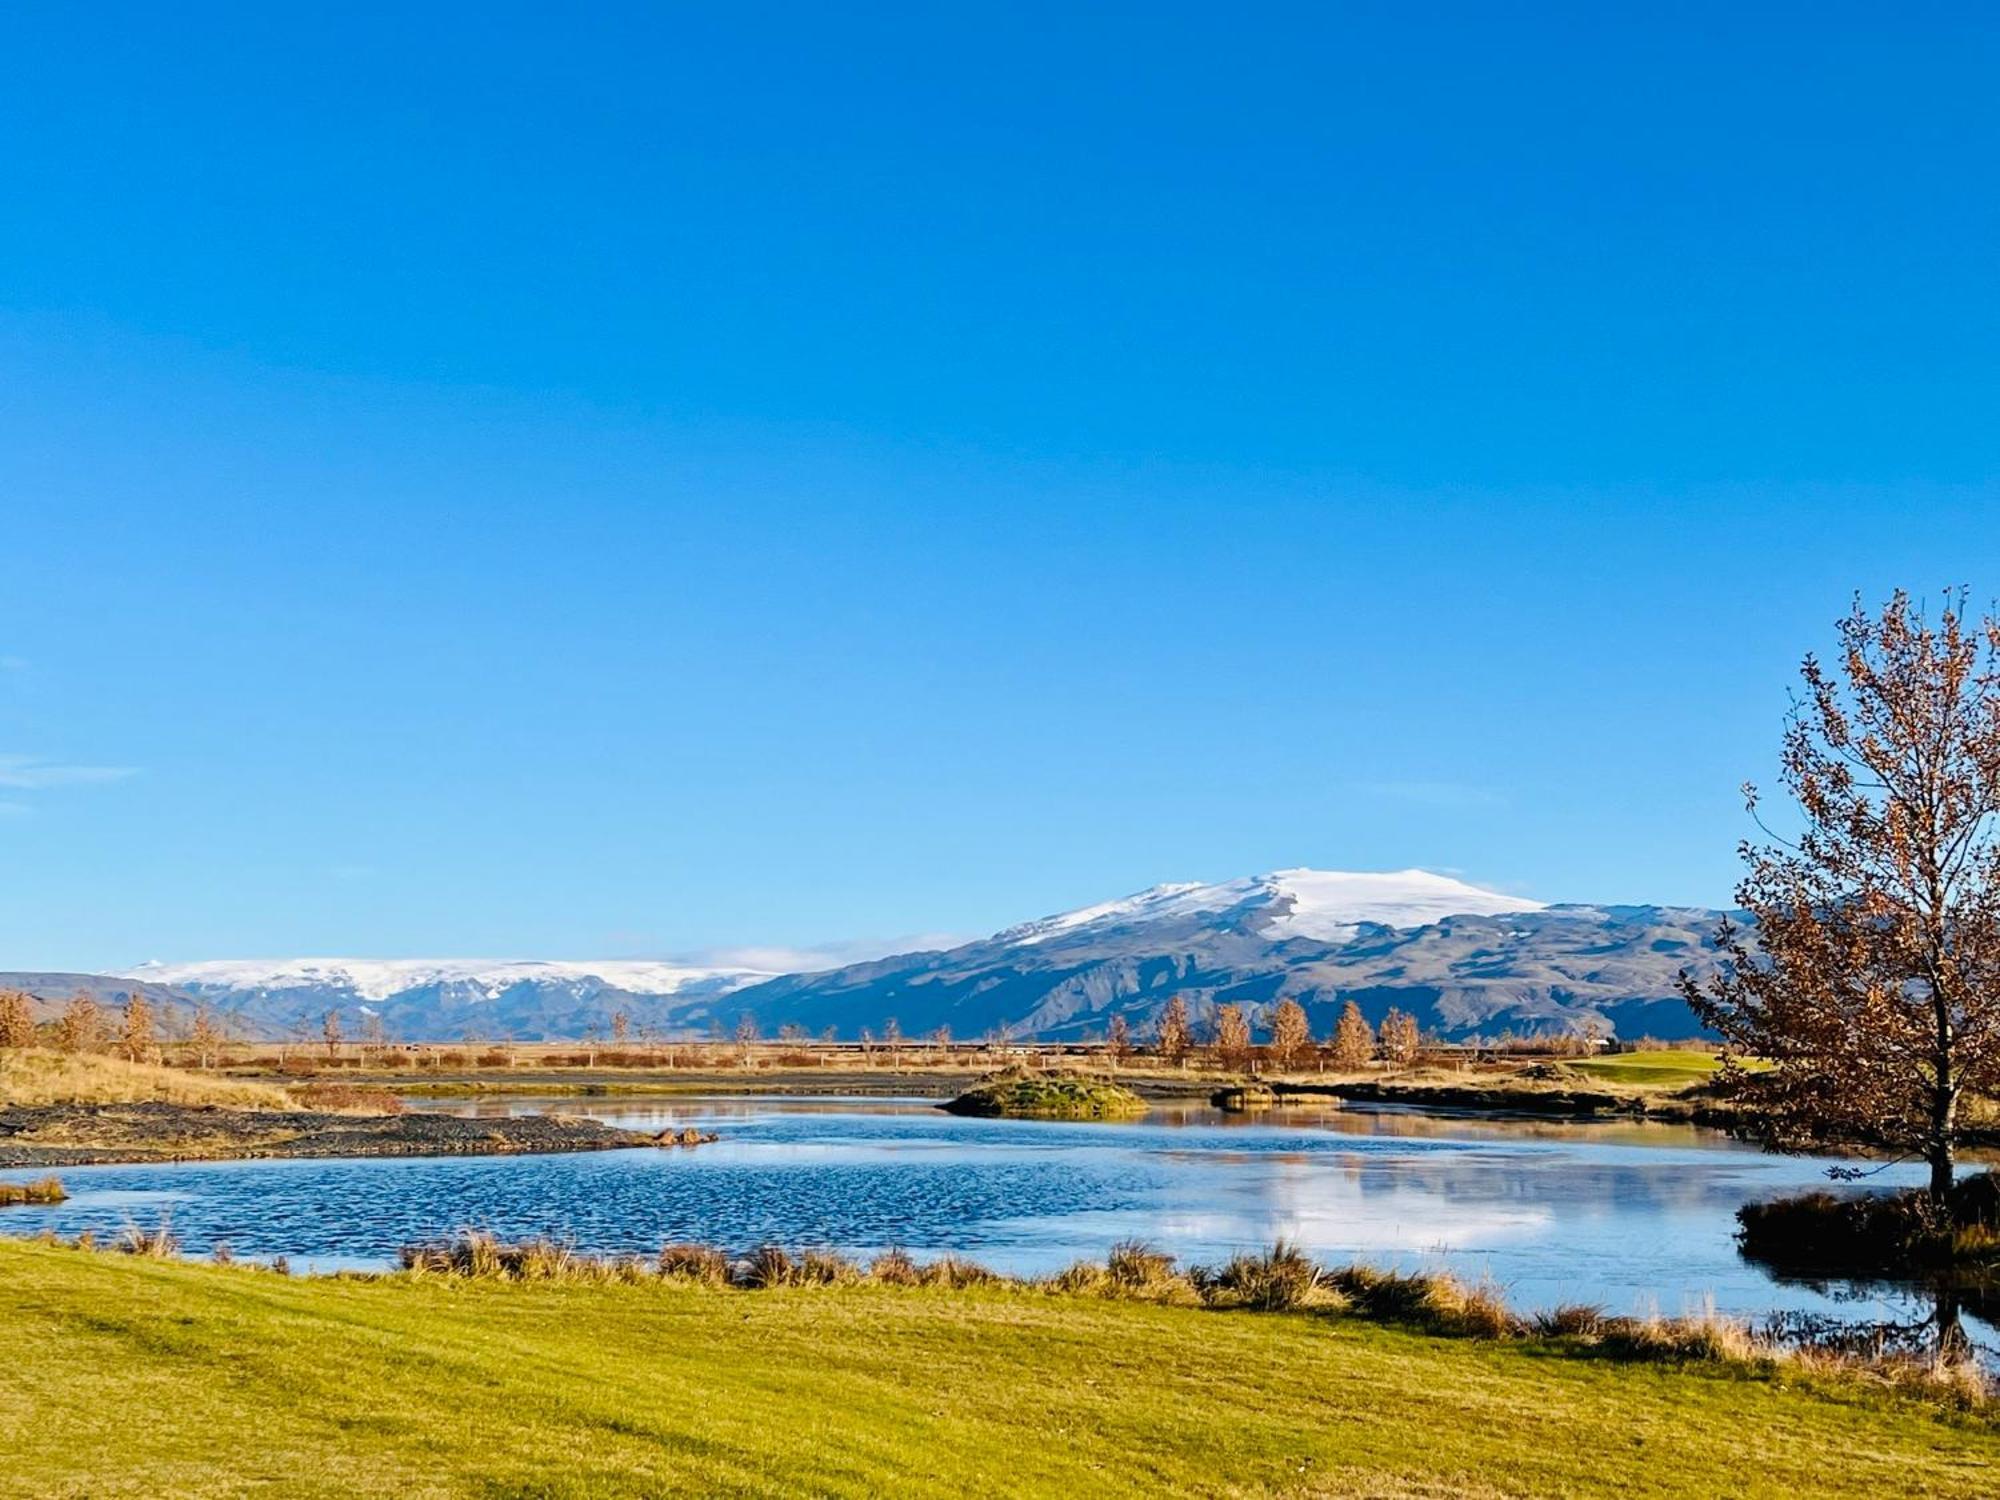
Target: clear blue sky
pixel 496 480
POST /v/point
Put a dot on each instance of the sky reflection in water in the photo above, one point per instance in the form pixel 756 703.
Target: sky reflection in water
pixel 1635 1217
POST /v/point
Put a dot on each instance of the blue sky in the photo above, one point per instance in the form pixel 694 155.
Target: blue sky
pixel 492 481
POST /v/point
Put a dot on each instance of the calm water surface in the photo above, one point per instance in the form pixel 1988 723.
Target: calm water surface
pixel 1637 1217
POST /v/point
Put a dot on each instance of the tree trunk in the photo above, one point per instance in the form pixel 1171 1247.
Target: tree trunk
pixel 1940 1156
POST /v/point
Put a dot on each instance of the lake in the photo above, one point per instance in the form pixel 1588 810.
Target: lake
pixel 1635 1216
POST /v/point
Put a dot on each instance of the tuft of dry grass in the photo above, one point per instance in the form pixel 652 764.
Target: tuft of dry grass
pixel 36 1076
pixel 1281 1279
pixel 894 1268
pixel 347 1098
pixel 42 1190
pixel 157 1243
pixel 694 1263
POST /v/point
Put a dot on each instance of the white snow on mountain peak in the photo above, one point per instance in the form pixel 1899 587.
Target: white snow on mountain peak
pixel 383 978
pixel 1328 905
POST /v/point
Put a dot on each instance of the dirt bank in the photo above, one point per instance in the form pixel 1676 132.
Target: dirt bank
pixel 78 1134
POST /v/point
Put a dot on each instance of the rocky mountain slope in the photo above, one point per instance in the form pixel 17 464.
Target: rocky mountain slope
pixel 1467 962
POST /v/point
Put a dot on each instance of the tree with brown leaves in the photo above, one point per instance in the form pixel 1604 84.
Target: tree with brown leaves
pixel 1175 1036
pixel 1871 981
pixel 1353 1039
pixel 135 1030
pixel 1399 1038
pixel 17 1022
pixel 1232 1036
pixel 205 1038
pixel 1291 1033
pixel 1118 1040
pixel 80 1028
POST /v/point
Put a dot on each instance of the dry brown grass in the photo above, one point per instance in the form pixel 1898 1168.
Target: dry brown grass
pixel 40 1077
pixel 41 1190
pixel 347 1098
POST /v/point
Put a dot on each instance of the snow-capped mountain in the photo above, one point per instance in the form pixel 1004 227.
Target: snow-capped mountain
pixel 385 978
pixel 1330 905
pixel 527 999
pixel 1465 960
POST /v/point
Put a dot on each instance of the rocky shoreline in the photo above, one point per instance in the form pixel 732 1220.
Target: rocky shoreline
pixel 60 1135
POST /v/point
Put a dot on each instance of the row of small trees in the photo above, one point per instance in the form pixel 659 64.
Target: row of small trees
pixel 1353 1043
pixel 131 1030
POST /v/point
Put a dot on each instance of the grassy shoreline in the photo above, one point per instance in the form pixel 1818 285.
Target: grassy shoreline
pixel 234 1382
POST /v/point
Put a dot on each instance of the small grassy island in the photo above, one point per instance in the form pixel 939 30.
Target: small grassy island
pixel 1048 1096
pixel 60 1110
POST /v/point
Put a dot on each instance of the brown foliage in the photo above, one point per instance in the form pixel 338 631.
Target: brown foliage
pixel 1399 1038
pixel 1175 1035
pixel 135 1030
pixel 1291 1033
pixel 1118 1039
pixel 80 1028
pixel 17 1024
pixel 1232 1036
pixel 1353 1041
pixel 1873 982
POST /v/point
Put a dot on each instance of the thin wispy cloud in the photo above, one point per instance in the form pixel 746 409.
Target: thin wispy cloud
pixel 27 773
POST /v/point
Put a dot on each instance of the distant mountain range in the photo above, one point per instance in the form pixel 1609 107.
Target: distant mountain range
pixel 1468 963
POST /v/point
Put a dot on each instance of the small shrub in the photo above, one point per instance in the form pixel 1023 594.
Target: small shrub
pixel 1283 1278
pixel 157 1243
pixel 769 1267
pixel 694 1263
pixel 1084 1278
pixel 43 1190
pixel 1135 1264
pixel 954 1273
pixel 1571 1320
pixel 895 1268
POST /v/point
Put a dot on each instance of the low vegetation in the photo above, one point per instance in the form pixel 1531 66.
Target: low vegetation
pixel 33 1077
pixel 346 1098
pixel 1048 1096
pixel 43 1190
pixel 833 1379
pixel 1671 1068
pixel 1878 1234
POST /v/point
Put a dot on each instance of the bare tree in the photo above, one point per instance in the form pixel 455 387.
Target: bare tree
pixel 17 1022
pixel 205 1038
pixel 1353 1039
pixel 1118 1040
pixel 621 1027
pixel 1175 1035
pixel 746 1034
pixel 329 1034
pixel 1232 1036
pixel 941 1041
pixel 1291 1033
pixel 1871 982
pixel 1399 1038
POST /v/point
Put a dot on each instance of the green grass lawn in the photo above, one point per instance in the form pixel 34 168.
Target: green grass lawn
pixel 1674 1069
pixel 122 1376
